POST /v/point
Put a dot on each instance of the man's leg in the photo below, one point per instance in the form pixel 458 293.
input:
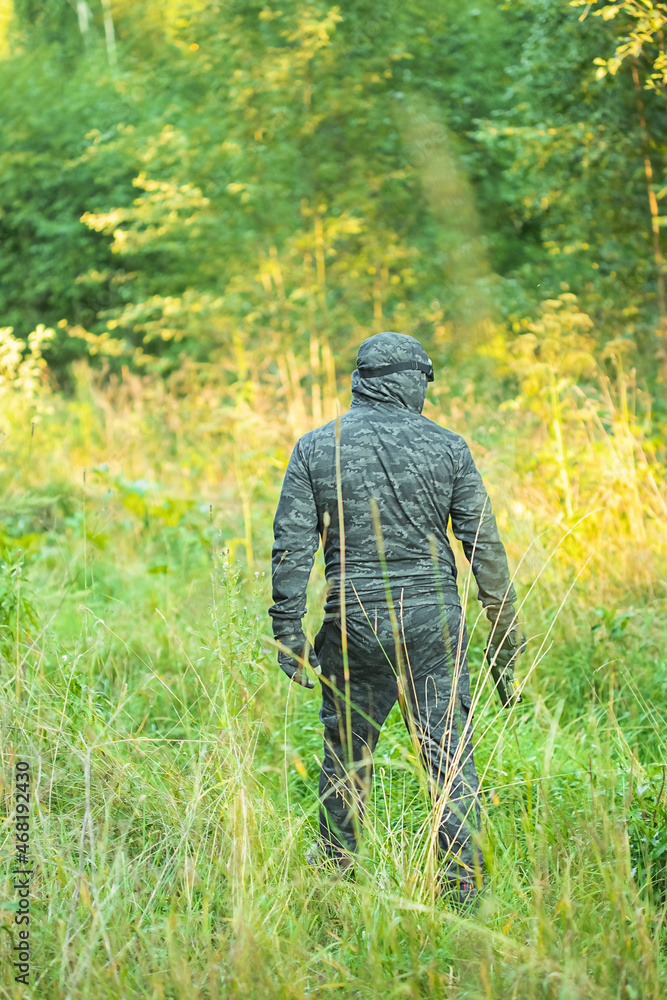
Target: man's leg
pixel 458 799
pixel 353 715
pixel 438 700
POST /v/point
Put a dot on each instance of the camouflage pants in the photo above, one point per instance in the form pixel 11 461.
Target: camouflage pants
pixel 429 678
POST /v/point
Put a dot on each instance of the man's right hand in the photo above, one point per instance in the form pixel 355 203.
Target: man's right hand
pixel 297 651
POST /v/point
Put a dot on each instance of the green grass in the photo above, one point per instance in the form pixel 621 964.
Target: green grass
pixel 174 769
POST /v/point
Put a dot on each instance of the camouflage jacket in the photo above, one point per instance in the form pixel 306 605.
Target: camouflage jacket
pixel 421 477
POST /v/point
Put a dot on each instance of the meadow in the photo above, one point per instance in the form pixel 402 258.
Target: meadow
pixel 173 766
pixel 205 207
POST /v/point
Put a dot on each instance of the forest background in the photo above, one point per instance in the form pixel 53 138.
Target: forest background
pixel 204 208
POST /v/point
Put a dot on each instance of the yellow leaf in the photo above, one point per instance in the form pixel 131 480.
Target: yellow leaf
pixel 300 769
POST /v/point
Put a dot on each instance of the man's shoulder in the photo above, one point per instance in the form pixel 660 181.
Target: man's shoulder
pixel 317 434
pixel 314 439
pixel 430 433
pixel 442 435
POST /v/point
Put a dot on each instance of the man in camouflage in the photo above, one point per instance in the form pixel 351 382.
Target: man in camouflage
pixel 379 487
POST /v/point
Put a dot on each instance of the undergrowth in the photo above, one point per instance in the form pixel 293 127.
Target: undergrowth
pixel 174 768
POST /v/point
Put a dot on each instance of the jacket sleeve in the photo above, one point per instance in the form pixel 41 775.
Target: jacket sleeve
pixel 296 535
pixel 474 524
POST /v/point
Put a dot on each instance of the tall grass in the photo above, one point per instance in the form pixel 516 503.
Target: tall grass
pixel 175 768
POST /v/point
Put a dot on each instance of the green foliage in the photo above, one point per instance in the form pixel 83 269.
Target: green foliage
pixel 46 187
pixel 573 178
pixel 17 612
pixel 647 831
pixel 272 173
pixel 215 202
pixel 139 510
pixel 160 721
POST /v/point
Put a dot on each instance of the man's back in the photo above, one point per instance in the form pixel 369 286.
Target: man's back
pixel 409 466
pixel 417 473
pixel 383 478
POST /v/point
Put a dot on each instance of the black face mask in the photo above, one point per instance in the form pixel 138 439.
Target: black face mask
pixel 402 366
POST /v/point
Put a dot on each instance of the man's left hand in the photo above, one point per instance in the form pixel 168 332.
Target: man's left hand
pixel 503 648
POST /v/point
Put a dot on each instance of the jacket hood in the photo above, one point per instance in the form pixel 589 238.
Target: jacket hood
pixel 406 389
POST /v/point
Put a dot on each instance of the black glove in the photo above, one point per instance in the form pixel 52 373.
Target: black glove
pixel 300 650
pixel 503 647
